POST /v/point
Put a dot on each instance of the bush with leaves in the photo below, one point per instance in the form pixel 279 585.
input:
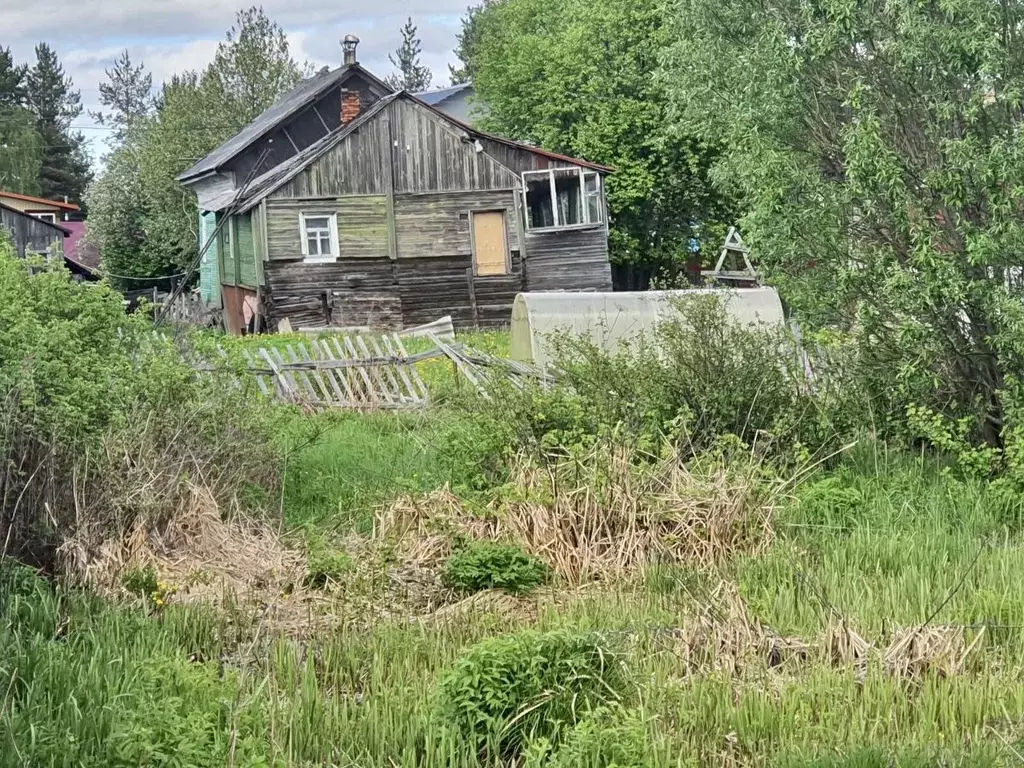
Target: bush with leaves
pixel 696 378
pixel 490 565
pixel 506 691
pixel 104 425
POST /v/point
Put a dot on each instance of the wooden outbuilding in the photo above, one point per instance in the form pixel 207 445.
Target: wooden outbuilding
pixel 352 205
pixel 31 234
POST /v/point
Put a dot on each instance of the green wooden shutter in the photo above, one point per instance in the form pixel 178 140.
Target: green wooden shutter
pixel 246 251
pixel 227 252
pixel 209 267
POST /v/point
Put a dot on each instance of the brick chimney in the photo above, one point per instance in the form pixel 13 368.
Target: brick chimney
pixel 351 104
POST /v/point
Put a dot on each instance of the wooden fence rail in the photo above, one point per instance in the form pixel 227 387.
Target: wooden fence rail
pixel 360 372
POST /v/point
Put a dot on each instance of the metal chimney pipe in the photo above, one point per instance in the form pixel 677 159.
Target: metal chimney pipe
pixel 348 45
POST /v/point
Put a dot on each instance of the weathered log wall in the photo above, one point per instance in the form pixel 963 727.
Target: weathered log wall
pixel 570 260
pixel 348 292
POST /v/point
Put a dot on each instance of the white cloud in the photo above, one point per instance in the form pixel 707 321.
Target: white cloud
pixel 170 36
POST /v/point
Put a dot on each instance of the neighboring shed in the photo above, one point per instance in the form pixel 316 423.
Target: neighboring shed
pixel 52 211
pixel 32 235
pixel 458 101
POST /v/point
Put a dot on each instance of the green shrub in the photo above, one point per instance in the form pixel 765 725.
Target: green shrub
pixel 106 425
pixel 489 565
pixel 327 565
pixel 508 690
pixel 698 377
pixel 609 737
pixel 141 581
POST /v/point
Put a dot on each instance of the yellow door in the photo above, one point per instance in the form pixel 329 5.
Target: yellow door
pixel 489 247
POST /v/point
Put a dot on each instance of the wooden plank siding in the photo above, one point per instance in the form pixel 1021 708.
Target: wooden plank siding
pixel 431 155
pixel 362 226
pixel 362 292
pixel 226 250
pixel 209 269
pixel 518 159
pixel 245 252
pixel 431 287
pixel 356 166
pixel 569 260
pixel 438 224
pixel 29 234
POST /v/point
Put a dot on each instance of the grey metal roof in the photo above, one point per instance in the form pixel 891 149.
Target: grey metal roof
pixel 303 94
pixel 433 98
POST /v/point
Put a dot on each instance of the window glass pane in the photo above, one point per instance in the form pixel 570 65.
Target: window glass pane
pixel 312 246
pixel 316 222
pixel 538 202
pixel 593 209
pixel 325 243
pixel 590 183
pixel 570 201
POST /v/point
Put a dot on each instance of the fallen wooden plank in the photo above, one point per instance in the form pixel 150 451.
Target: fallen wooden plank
pixel 442 328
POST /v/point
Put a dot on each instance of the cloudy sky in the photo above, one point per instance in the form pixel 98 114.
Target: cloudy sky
pixel 173 35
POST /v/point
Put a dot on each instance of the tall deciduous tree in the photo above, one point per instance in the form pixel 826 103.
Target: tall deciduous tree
pixel 118 201
pixel 412 75
pixel 252 67
pixel 21 151
pixel 55 104
pixel 467 40
pixel 192 114
pixel 579 77
pixel 878 148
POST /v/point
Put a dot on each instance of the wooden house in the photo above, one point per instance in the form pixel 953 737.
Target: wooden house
pixel 347 204
pixel 52 211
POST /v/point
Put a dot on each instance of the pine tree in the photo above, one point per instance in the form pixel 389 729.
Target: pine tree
pixel 21 153
pixel 127 95
pixel 55 104
pixel 411 76
pixel 12 80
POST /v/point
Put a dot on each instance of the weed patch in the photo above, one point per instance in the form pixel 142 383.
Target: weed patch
pixel 506 691
pixel 489 565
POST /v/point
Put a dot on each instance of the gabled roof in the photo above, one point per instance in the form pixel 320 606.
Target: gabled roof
pixel 63 230
pixel 281 174
pixel 441 95
pixel 298 98
pixel 40 200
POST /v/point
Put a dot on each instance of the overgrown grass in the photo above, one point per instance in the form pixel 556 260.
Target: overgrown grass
pixel 883 545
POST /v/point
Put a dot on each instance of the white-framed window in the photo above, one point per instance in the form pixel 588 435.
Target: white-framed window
pixel 562 198
pixel 50 217
pixel 319 236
